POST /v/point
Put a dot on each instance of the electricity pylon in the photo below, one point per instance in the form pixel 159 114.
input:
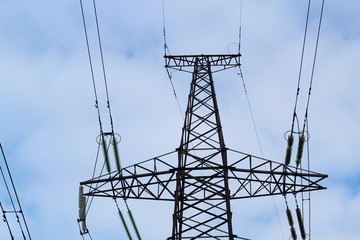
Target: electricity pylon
pixel 202 175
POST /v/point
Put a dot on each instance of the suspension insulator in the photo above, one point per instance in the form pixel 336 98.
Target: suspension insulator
pixel 134 225
pixel 117 156
pixel 293 233
pixel 82 208
pixel 301 223
pixel 82 203
pixel 106 156
pixel 125 225
pixel 289 217
pixel 289 150
pixel 83 226
pixel 300 149
pixel 81 194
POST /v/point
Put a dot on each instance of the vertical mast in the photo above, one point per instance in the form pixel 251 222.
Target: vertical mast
pixel 202 195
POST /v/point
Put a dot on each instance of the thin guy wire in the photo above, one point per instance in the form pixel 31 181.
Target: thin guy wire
pixel 252 115
pixel 251 112
pixel 259 143
pixel 175 95
pixel 93 177
pixel 166 49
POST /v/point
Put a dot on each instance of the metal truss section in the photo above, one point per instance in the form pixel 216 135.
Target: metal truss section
pixel 153 179
pixel 218 62
pixel 249 176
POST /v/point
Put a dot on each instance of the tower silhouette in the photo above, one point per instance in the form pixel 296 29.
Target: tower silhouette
pixel 202 176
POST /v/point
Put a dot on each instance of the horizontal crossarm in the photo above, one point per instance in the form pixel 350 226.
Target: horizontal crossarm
pixel 217 62
pixel 152 179
pixel 249 176
pixel 256 177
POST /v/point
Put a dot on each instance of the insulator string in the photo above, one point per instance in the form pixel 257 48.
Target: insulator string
pixel 306 123
pixel 294 117
pixel 102 143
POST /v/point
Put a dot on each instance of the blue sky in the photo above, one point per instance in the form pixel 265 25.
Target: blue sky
pixel 48 124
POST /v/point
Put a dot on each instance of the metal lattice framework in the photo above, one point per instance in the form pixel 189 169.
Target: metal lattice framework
pixel 202 176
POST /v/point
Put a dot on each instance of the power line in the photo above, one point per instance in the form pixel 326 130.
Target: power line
pixel 314 63
pixel 301 65
pixel 91 65
pixel 85 203
pixel 15 202
pixel 304 133
pixel 103 65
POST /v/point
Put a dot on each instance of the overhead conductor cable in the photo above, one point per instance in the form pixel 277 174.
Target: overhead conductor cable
pixel 291 139
pixel 17 200
pixel 103 143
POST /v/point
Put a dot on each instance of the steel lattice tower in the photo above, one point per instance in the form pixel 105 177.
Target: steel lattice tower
pixel 202 175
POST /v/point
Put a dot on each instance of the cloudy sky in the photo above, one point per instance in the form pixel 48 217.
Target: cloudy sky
pixel 48 122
